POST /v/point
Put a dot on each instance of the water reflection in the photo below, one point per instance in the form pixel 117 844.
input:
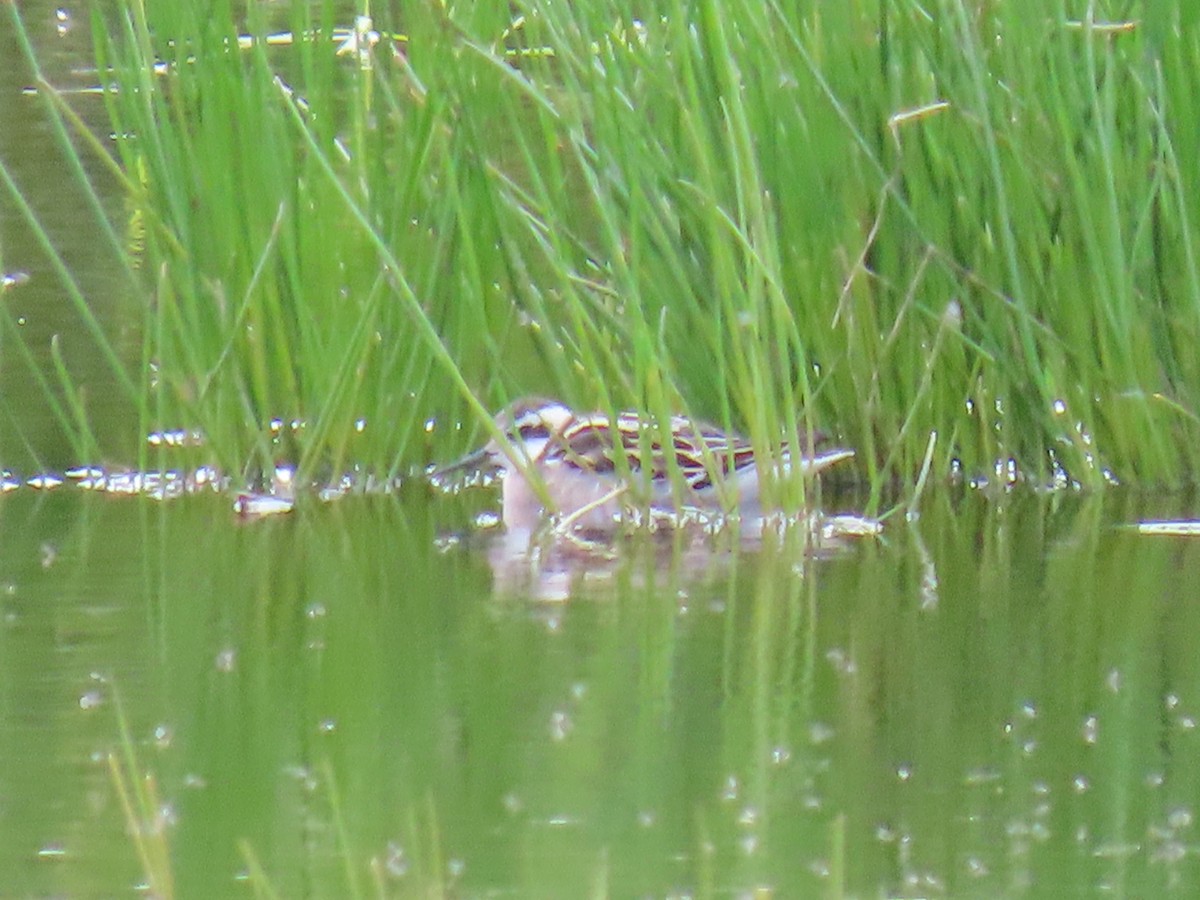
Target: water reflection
pixel 340 698
pixel 552 565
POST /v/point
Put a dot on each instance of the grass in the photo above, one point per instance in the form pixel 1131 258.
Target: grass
pixel 959 235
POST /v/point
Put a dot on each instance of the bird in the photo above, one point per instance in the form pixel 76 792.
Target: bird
pixel 590 470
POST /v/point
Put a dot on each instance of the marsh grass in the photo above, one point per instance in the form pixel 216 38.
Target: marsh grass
pixel 958 236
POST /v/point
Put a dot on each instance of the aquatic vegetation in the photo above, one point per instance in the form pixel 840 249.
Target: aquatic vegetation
pixel 963 243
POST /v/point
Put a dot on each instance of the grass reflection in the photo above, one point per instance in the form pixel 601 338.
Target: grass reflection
pixel 996 699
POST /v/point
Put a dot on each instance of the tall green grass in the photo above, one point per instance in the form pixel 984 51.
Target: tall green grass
pixel 958 235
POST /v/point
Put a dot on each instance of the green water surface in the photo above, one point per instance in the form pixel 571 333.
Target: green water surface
pixel 997 700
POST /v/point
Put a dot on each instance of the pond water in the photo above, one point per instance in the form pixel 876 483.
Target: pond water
pixel 372 697
pixel 998 699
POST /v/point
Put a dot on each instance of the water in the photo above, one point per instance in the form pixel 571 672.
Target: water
pixel 37 306
pixel 371 697
pixel 999 699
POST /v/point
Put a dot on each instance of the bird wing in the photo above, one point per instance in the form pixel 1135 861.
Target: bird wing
pixel 589 444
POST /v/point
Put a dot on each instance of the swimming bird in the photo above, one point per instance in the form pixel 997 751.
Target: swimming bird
pixel 591 469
